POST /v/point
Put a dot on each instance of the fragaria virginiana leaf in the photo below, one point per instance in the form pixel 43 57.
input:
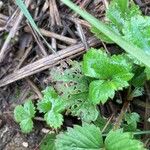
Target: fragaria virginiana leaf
pixel 110 73
pixel 117 140
pixel 24 115
pixel 74 86
pixel 137 31
pixel 120 11
pixel 52 105
pixel 87 137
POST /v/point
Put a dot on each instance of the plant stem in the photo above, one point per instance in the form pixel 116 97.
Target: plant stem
pixel 121 115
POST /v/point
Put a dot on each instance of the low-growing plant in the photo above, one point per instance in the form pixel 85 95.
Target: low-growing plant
pixel 79 89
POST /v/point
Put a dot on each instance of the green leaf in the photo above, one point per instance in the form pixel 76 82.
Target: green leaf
pixel 52 105
pixel 113 73
pixel 117 140
pixel 29 108
pixel 87 137
pixel 73 86
pixel 120 11
pixel 131 119
pixel 100 91
pixel 19 113
pixel 98 64
pixel 24 115
pixel 81 107
pixel 137 31
pixel 135 51
pixel 48 142
pixel 54 119
pixel 26 125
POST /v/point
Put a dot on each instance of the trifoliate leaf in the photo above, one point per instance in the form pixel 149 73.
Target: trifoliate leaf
pixel 120 11
pixel 117 140
pixel 73 86
pixel 52 105
pixel 54 119
pixel 24 115
pixel 112 74
pixel 26 125
pixel 87 137
pixel 137 31
pixel 48 142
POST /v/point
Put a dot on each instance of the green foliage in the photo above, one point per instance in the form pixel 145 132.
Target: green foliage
pixel 52 105
pixel 48 142
pixel 24 114
pixel 74 86
pixel 120 11
pixel 117 140
pixel 112 73
pixel 89 137
pixel 137 31
pixel 132 119
pixel 133 50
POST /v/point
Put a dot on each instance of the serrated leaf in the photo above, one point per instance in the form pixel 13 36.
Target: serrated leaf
pixel 100 91
pixel 87 137
pixel 48 142
pixel 29 108
pixel 126 141
pixel 52 105
pixel 73 86
pixel 137 31
pixel 82 108
pixel 44 105
pixel 26 125
pixel 53 119
pixel 112 73
pixel 19 113
pixel 120 11
pixel 24 115
pixel 98 64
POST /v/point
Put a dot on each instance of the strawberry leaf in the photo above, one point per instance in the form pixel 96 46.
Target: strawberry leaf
pixel 112 74
pixel 52 105
pixel 24 115
pixel 126 141
pixel 85 137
